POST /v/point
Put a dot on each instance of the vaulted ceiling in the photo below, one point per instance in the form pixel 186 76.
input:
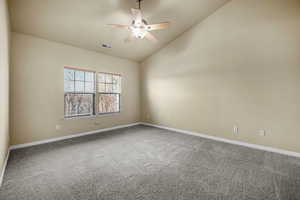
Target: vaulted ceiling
pixel 82 23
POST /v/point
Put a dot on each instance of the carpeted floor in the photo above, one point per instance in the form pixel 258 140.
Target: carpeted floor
pixel 146 163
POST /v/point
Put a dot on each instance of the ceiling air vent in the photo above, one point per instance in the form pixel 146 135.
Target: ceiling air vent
pixel 106 46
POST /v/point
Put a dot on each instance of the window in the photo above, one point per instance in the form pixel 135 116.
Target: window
pixel 109 90
pixel 83 97
pixel 79 92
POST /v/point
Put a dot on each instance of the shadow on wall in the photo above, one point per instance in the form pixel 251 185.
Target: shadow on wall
pixel 183 41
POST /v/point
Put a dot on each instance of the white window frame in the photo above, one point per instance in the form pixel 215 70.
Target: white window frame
pixel 96 95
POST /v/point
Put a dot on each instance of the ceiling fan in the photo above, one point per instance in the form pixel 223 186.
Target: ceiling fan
pixel 139 27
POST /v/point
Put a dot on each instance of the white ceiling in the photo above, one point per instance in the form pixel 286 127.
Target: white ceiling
pixel 82 23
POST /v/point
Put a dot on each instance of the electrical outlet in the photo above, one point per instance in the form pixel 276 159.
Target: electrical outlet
pixel 57 127
pixel 262 132
pixel 235 129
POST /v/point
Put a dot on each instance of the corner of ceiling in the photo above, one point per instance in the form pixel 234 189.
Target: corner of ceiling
pixel 182 33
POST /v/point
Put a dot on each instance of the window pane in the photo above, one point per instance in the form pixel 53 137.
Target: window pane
pixel 116 79
pixel 78 104
pixel 69 74
pixel 116 88
pixel 108 103
pixel 117 104
pixel 101 78
pixel 89 76
pixel 101 87
pixel 79 75
pixel 79 86
pixel 89 87
pixel 69 86
pixel 108 78
pixel 109 88
pixel 117 83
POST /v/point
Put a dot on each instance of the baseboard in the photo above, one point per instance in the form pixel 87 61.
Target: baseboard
pixel 253 146
pixel 4 167
pixel 18 146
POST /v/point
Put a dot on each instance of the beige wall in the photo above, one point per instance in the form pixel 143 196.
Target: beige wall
pixel 4 82
pixel 38 89
pixel 241 66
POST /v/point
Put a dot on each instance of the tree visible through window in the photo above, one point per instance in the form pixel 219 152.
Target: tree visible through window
pixel 83 97
pixel 109 90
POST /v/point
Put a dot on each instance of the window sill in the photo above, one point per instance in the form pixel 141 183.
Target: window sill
pixel 92 116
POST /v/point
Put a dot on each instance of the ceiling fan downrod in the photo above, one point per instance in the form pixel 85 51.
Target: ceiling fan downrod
pixel 139 1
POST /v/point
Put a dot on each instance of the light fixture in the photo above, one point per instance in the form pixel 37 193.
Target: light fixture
pixel 138 31
pixel 139 27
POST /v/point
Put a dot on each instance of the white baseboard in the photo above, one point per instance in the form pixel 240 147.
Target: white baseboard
pixel 18 146
pixel 253 146
pixel 4 167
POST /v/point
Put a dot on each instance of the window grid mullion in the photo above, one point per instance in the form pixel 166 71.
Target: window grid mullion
pixel 96 94
pixel 83 81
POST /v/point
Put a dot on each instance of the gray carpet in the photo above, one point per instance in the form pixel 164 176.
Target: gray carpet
pixel 146 163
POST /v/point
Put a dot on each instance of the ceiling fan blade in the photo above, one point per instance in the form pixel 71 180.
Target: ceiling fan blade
pixel 118 26
pixel 159 26
pixel 151 37
pixel 137 15
pixel 129 39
